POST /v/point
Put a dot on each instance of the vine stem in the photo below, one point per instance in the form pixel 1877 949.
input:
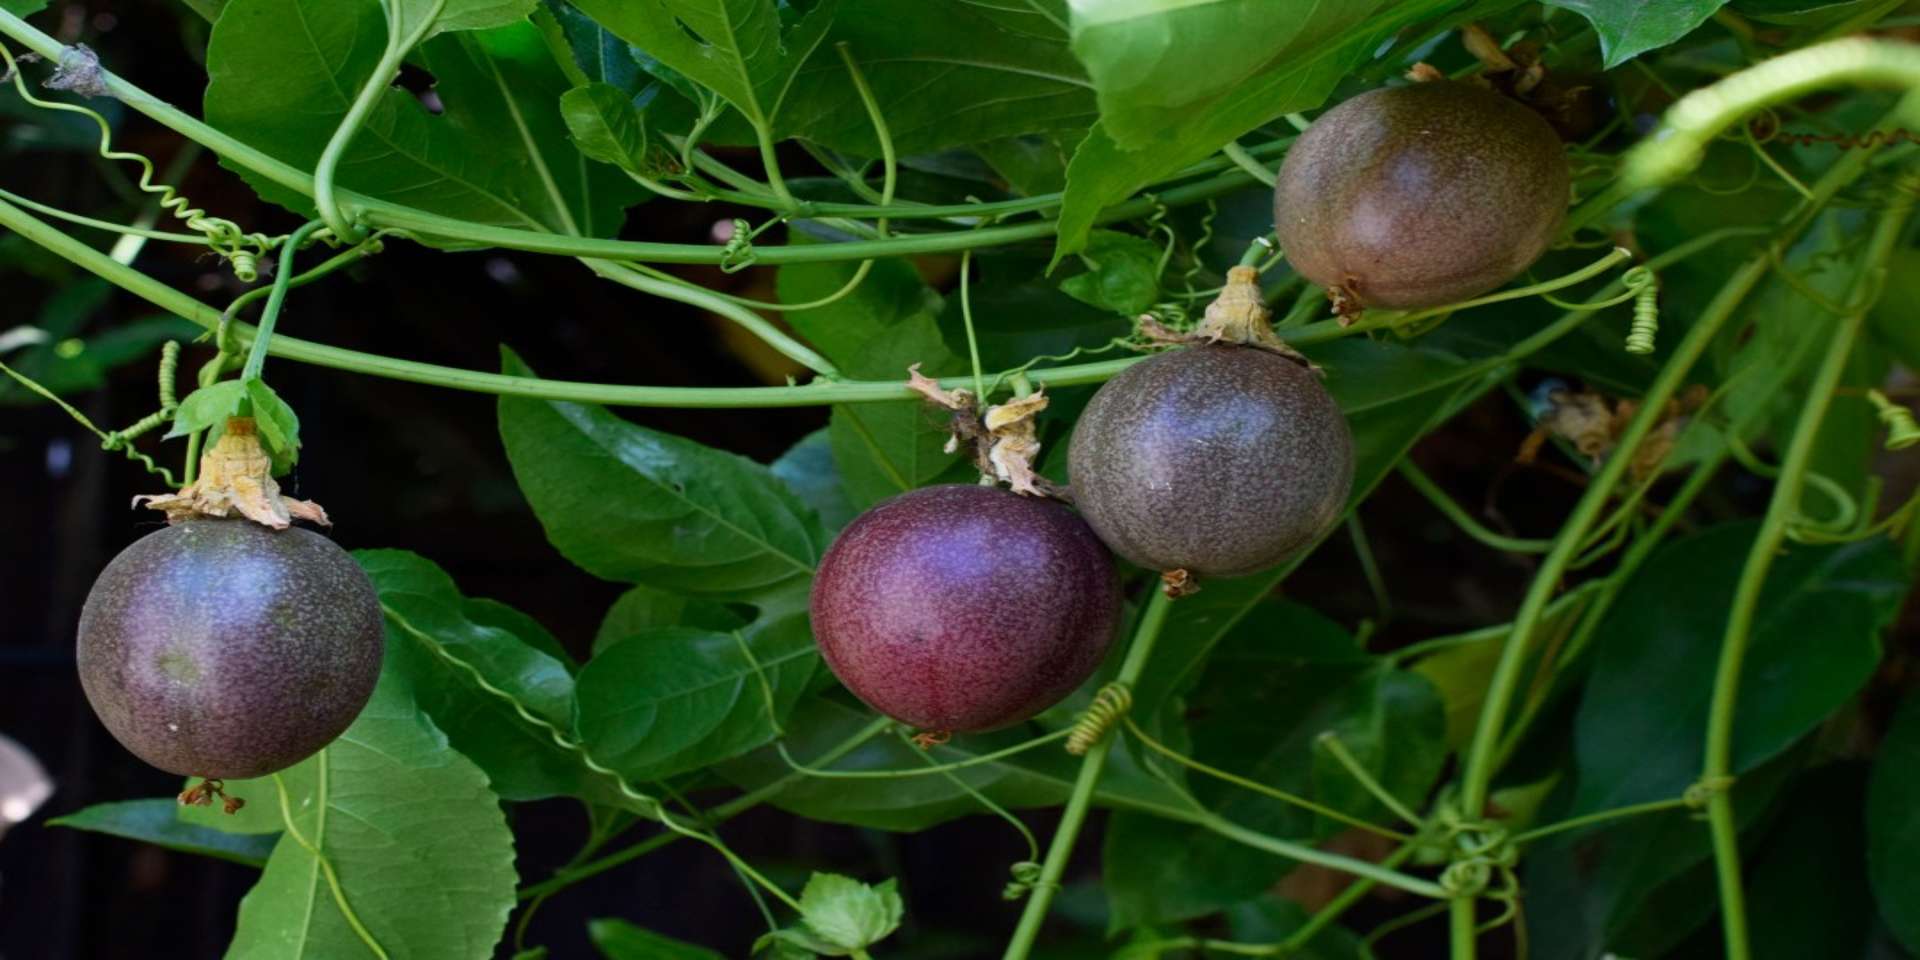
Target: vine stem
pixel 1781 508
pixel 1060 849
pixel 277 298
pixel 1479 767
pixel 377 84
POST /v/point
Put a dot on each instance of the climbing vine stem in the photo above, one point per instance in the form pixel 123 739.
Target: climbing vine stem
pixel 1061 848
pixel 270 316
pixel 1781 509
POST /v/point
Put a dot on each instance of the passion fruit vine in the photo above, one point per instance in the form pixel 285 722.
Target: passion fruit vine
pixel 965 608
pixel 1213 459
pixel 226 648
pixel 1420 195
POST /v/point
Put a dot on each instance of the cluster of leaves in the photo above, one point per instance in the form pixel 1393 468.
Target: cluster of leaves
pixel 557 117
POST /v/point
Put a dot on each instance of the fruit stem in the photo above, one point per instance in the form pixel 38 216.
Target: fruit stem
pixel 270 315
pixel 1061 848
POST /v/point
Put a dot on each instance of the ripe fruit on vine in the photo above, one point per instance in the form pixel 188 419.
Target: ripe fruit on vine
pixel 964 608
pixel 1213 459
pixel 225 649
pixel 1420 195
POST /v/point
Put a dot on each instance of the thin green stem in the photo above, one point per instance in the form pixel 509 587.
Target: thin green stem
pixel 1602 816
pixel 325 197
pixel 1091 766
pixel 717 815
pixel 1246 161
pixel 1781 510
pixel 1244 783
pixel 277 298
pixel 85 221
pixel 1309 854
pixel 1465 521
pixel 1330 742
pixel 673 288
pixel 966 319
pixel 975 761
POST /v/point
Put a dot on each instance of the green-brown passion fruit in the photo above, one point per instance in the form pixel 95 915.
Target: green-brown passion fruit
pixel 1214 459
pixel 1416 196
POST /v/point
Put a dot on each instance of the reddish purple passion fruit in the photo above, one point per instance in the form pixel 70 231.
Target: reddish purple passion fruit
pixel 1420 195
pixel 224 649
pixel 965 608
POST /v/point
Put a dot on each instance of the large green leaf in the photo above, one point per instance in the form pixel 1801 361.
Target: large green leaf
pixel 631 504
pixel 736 48
pixel 642 609
pixel 153 821
pixel 1642 719
pixel 944 73
pixel 1893 826
pixel 498 154
pixel 1629 28
pixel 1040 777
pixel 425 615
pixel 807 468
pixel 674 699
pixel 412 833
pixel 1280 679
pixel 1148 133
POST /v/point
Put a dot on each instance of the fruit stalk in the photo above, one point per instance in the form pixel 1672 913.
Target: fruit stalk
pixel 1061 848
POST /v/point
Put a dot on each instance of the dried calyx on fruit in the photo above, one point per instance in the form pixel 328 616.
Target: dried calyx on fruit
pixel 1420 195
pixel 228 644
pixel 1221 457
pixel 1002 439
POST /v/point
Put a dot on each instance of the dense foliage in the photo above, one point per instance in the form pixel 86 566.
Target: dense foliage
pixel 1689 736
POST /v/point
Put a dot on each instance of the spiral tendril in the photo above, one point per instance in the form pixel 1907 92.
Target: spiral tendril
pixel 1902 430
pixel 1109 705
pixel 240 249
pixel 1645 287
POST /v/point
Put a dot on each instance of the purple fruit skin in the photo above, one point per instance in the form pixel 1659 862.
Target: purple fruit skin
pixel 227 650
pixel 1421 195
pixel 1218 460
pixel 965 608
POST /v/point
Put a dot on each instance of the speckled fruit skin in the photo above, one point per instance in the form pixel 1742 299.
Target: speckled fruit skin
pixel 1421 195
pixel 1214 459
pixel 224 649
pixel 964 608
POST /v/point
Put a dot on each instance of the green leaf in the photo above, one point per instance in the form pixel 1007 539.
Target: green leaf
pixel 1148 133
pixel 606 126
pixel 1280 679
pixel 620 940
pixel 498 154
pixel 949 73
pixel 1029 164
pixel 416 839
pixel 58 357
pixel 426 614
pixel 451 15
pixel 1641 720
pixel 1628 28
pixel 279 426
pixel 631 504
pixel 208 406
pixel 23 8
pixel 849 914
pixel 1123 273
pixel 1461 673
pixel 736 48
pixel 597 55
pixel 807 468
pixel 675 699
pixel 153 821
pixel 1893 825
pixel 642 609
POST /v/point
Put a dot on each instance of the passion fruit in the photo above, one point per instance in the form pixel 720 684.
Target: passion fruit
pixel 1217 459
pixel 1420 195
pixel 964 608
pixel 226 649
